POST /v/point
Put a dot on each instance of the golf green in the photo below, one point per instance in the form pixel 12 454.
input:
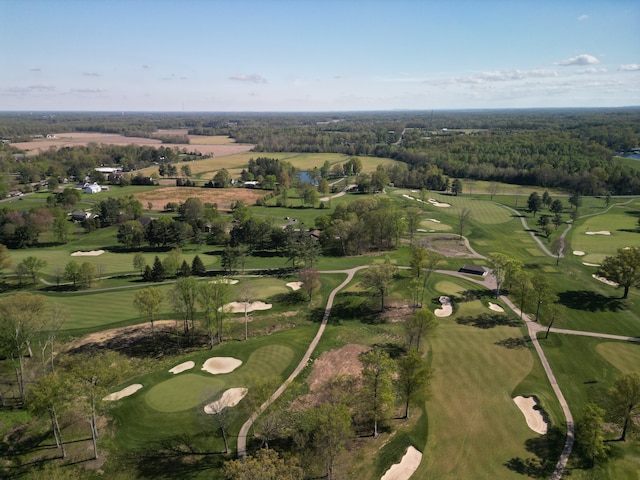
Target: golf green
pixel 183 392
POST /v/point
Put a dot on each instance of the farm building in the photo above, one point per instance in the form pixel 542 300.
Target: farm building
pixel 92 188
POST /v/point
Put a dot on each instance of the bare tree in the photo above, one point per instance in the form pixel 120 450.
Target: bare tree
pixel 463 219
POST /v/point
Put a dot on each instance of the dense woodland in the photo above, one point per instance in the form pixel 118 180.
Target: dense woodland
pixel 570 149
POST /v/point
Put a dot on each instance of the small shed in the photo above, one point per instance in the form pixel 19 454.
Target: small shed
pixel 474 270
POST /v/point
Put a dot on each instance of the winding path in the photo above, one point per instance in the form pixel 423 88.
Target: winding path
pixel 244 430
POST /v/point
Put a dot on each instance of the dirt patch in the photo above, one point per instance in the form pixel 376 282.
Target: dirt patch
pixel 397 312
pixel 447 245
pixel 223 197
pixel 129 333
pixel 331 364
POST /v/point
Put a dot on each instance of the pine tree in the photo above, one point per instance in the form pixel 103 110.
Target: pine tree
pixel 197 267
pixel 158 273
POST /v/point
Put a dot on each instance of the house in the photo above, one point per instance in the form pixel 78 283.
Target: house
pixel 474 270
pixel 80 215
pixel 92 188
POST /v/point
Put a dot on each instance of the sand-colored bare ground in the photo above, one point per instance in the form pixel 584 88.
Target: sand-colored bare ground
pixel 239 307
pixel 407 466
pixel 223 197
pixel 125 392
pixel 92 253
pixel 83 138
pixel 495 307
pixel 446 309
pixel 220 365
pixel 182 367
pixel 132 332
pixel 230 398
pixel 579 253
pixel 604 280
pixel 532 414
pixel 228 281
pixel 294 285
pixel 601 232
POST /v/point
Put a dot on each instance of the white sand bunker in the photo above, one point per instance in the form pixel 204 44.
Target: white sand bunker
pixel 230 398
pixel 125 392
pixel 408 196
pixel 579 253
pixel 604 280
pixel 294 285
pixel 228 281
pixel 446 309
pixel 601 232
pixel 239 307
pixel 92 253
pixel 182 367
pixel 218 365
pixel 532 413
pixel 495 307
pixel 407 466
pixel 587 264
pixel 436 203
pixel 433 220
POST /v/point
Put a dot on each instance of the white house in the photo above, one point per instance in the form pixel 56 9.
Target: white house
pixel 92 188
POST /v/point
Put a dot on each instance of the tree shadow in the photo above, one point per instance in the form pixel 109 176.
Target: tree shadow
pixel 514 342
pixel 489 320
pixel 590 301
pixel 393 349
pixel 546 450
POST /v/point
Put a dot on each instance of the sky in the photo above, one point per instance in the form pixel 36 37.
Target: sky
pixel 317 55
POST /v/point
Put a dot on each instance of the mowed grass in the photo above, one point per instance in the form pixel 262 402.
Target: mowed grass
pixel 266 359
pixel 474 425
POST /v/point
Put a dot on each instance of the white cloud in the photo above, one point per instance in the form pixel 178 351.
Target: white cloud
pixel 253 78
pixel 88 90
pixel 630 67
pixel 583 59
pixel 592 70
pixel 90 74
pixel 498 76
pixel 583 18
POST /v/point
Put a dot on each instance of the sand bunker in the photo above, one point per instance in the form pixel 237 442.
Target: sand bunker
pixel 294 285
pixel 604 280
pixel 532 413
pixel 433 220
pixel 239 307
pixel 407 466
pixel 601 232
pixel 587 264
pixel 436 203
pixel 230 398
pixel 228 281
pixel 446 309
pixel 408 196
pixel 218 365
pixel 579 253
pixel 182 367
pixel 92 253
pixel 495 307
pixel 125 392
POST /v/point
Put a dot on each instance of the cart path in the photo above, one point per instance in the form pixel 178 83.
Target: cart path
pixel 244 430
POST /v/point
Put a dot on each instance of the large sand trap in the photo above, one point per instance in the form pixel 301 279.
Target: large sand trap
pixel 407 466
pixel 238 307
pixel 92 253
pixel 182 367
pixel 436 203
pixel 532 413
pixel 446 308
pixel 230 398
pixel 294 285
pixel 587 264
pixel 125 392
pixel 433 220
pixel 217 365
pixel 228 281
pixel 604 280
pixel 495 307
pixel 578 253
pixel 601 232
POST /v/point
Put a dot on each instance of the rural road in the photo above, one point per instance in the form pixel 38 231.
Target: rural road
pixel 244 430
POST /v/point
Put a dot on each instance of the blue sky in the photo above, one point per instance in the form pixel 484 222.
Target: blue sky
pixel 317 55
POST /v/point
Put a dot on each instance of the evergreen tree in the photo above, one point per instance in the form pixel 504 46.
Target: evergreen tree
pixel 158 273
pixel 197 267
